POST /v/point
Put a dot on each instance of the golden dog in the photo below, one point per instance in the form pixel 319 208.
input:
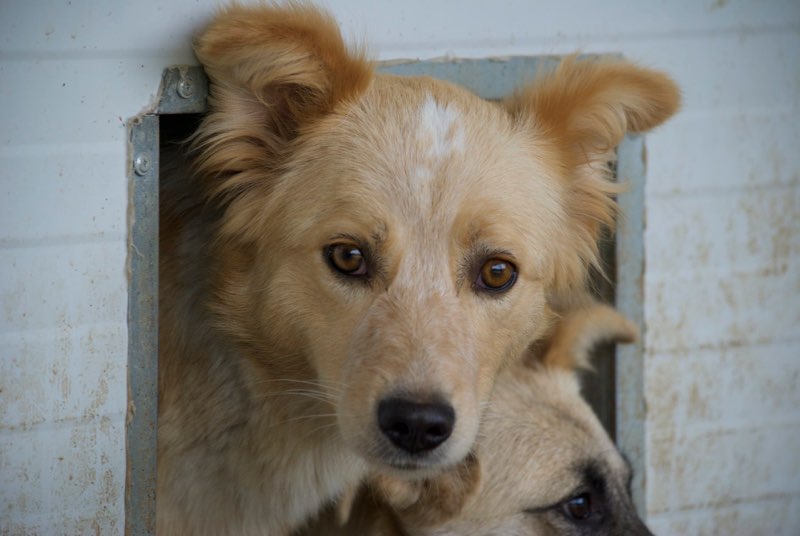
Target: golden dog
pixel 543 464
pixel 348 259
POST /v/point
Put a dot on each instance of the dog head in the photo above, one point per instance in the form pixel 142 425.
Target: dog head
pixel 542 465
pixel 395 240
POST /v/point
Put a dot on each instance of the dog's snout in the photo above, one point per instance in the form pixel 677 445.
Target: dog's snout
pixel 415 427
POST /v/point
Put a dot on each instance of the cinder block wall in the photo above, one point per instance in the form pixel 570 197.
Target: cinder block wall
pixel 722 364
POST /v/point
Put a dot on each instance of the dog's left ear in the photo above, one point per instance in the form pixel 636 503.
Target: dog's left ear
pixel 584 108
pixel 590 105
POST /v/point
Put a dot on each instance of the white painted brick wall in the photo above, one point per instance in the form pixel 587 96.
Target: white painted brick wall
pixel 723 238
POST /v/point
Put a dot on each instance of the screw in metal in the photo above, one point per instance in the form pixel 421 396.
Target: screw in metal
pixel 185 88
pixel 141 164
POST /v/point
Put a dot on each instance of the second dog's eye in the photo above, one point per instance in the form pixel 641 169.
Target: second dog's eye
pixel 347 259
pixel 578 508
pixel 496 275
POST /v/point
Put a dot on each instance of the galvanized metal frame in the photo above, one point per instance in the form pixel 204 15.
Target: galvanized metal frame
pixel 631 411
pixel 184 90
pixel 491 78
pixel 140 438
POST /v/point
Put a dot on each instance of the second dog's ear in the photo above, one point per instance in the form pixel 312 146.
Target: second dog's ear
pixel 272 70
pixel 580 330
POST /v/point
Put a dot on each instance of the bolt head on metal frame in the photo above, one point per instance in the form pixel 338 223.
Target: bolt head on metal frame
pixel 141 164
pixel 185 88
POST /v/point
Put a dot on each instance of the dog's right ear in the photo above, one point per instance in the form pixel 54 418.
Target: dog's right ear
pixel 272 71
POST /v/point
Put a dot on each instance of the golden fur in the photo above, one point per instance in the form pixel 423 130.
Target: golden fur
pixel 537 437
pixel 271 363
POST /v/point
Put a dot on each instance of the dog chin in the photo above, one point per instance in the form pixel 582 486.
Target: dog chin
pixel 406 466
pixel 409 469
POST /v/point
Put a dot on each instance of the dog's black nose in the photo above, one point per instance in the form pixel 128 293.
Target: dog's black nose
pixel 415 427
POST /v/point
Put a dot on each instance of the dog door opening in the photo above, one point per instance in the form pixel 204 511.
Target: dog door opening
pixel 614 390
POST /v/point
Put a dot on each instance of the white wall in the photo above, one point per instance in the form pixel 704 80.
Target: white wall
pixel 723 238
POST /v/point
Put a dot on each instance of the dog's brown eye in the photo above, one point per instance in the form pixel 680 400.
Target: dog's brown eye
pixel 347 259
pixel 578 508
pixel 496 275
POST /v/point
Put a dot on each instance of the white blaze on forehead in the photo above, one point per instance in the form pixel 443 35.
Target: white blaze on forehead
pixel 438 136
pixel 440 129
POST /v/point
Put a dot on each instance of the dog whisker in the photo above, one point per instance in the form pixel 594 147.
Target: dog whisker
pixel 317 430
pixel 318 382
pixel 319 395
pixel 306 395
pixel 332 390
pixel 306 418
pixel 333 386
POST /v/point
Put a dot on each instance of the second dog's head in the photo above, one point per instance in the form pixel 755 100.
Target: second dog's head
pixel 395 240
